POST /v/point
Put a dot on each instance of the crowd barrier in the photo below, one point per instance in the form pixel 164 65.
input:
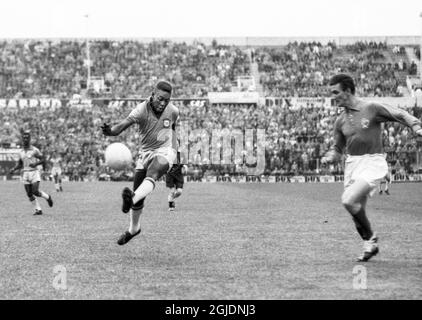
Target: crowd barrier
pixel 266 179
pixel 293 179
pixel 397 178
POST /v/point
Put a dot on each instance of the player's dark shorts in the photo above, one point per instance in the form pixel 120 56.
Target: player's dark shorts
pixel 174 179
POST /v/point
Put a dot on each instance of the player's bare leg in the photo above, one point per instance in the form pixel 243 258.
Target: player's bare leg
pixel 387 184
pixel 33 199
pixel 56 182
pixel 135 220
pixel 135 209
pixel 354 200
pixel 134 227
pixel 178 193
pixel 41 194
pixel 144 184
pixel 134 200
pixel 175 193
pixel 170 198
pixel 157 168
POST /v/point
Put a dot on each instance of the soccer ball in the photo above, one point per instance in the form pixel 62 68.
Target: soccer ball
pixel 118 156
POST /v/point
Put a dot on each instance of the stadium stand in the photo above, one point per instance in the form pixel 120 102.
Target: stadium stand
pixel 297 136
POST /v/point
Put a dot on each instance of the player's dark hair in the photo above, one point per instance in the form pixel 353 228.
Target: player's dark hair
pixel 346 82
pixel 25 133
pixel 164 86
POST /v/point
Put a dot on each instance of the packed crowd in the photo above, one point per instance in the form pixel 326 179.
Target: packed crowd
pixel 47 68
pixel 128 69
pixel 296 139
pixel 303 69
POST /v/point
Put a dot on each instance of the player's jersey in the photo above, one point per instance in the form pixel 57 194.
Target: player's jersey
pixel 155 133
pixel 29 156
pixel 358 129
pixel 56 162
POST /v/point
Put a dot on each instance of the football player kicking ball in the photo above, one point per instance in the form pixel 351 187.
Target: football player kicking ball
pixel 156 119
pixel 357 132
pixel 174 181
pixel 29 158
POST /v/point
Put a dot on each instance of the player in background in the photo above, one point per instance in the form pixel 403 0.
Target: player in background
pixel 56 171
pixel 386 181
pixel 357 133
pixel 29 158
pixel 174 181
pixel 156 118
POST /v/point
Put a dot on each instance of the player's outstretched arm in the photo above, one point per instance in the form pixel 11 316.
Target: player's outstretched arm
pixel 391 113
pixel 116 129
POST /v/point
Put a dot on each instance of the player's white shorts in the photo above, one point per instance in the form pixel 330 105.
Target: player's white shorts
pixel 387 177
pixel 30 177
pixel 56 171
pixel 145 157
pixel 371 168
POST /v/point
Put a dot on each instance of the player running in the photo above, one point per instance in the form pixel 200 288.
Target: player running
pixel 357 132
pixel 156 119
pixel 174 181
pixel 29 158
pixel 56 171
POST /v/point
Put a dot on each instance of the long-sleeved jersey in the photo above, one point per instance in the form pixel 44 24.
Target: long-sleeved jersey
pixel 358 131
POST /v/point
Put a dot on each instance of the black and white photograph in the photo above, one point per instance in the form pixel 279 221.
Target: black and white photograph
pixel 221 151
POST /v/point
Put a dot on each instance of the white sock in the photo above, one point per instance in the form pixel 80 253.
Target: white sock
pixel 135 220
pixel 36 204
pixel 171 196
pixel 144 189
pixel 57 186
pixel 44 195
pixel 177 194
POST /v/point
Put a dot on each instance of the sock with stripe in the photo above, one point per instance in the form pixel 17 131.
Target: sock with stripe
pixel 135 220
pixel 44 195
pixel 146 187
pixel 170 197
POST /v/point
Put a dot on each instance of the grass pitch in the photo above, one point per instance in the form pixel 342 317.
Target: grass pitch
pixel 225 241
